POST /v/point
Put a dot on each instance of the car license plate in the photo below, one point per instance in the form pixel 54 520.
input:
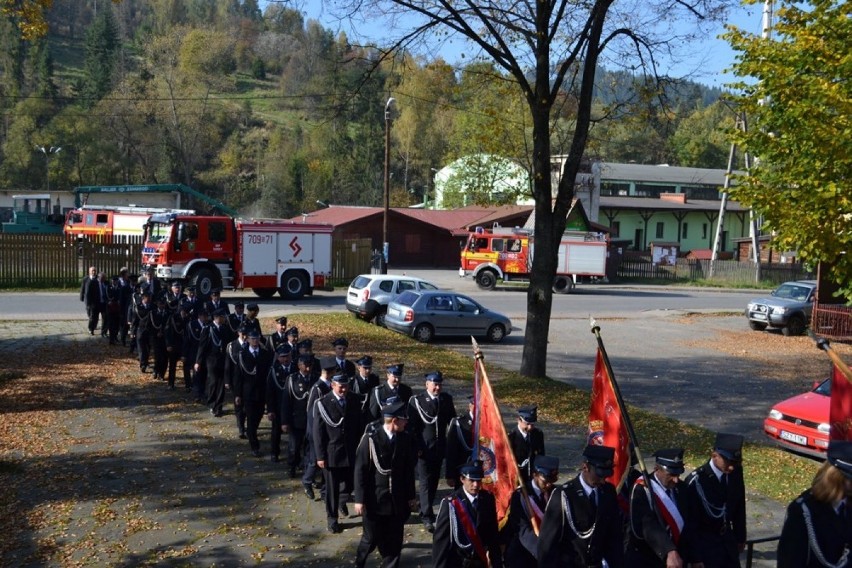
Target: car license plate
pixel 795 438
pixel 758 316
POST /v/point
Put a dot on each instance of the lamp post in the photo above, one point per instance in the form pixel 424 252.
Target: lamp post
pixel 47 152
pixel 385 245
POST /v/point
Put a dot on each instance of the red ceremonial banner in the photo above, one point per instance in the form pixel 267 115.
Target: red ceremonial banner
pixel 606 424
pixel 498 462
pixel 840 417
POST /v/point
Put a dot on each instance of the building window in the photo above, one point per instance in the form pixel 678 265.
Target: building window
pixel 683 230
pixel 651 190
pixel 615 227
pixel 660 230
pixel 609 188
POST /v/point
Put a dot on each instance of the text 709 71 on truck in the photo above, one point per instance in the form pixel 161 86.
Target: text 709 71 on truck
pixel 219 252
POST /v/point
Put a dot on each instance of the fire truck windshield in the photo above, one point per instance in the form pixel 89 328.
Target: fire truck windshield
pixel 158 232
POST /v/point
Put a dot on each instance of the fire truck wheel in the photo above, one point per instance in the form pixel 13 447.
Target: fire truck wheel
pixel 496 333
pixel 204 280
pixel 563 285
pixel 293 285
pixel 487 279
pixel 423 333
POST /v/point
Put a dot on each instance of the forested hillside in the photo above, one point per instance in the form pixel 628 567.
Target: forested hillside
pixel 271 113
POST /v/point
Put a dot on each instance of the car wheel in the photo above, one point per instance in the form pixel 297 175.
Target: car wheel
pixel 795 326
pixel 496 333
pixel 380 316
pixel 424 333
pixel 487 279
pixel 756 325
pixel 371 308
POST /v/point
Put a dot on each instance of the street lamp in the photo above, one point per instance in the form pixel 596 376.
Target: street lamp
pixel 47 152
pixel 386 246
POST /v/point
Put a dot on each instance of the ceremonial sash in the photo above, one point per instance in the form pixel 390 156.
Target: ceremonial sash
pixel 469 529
pixel 532 509
pixel 667 509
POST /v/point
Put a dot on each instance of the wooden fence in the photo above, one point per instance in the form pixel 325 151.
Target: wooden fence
pixel 41 261
pixel 728 271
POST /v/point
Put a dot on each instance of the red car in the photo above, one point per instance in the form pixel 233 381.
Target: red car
pixel 801 423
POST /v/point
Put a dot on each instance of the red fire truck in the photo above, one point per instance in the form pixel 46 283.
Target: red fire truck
pixel 507 253
pixel 104 221
pixel 267 256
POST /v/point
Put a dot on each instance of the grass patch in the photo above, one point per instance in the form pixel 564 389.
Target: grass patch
pixel 768 470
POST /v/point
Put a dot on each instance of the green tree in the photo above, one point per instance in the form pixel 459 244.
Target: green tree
pixel 102 46
pixel 797 101
pixel 701 138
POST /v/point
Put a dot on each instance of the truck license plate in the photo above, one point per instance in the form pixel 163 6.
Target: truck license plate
pixel 795 438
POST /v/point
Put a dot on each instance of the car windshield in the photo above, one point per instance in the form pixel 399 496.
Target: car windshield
pixel 824 388
pixel 793 292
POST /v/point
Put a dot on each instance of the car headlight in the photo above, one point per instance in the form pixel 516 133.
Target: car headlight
pixel 825 427
pixel 751 307
pixel 775 414
pixel 780 311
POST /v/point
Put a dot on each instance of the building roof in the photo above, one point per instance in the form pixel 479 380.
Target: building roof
pixel 661 174
pixel 614 202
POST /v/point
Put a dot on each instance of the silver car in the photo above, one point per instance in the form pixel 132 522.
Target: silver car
pixel 369 294
pixel 424 315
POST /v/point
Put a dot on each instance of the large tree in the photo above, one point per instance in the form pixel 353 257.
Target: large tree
pixel 548 48
pixel 799 113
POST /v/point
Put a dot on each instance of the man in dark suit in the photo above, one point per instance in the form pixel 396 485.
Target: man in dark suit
pixel 459 444
pixel 527 441
pixel 279 337
pixel 216 302
pixel 125 297
pixel 365 380
pixel 236 319
pixel 659 534
pixel 582 524
pixel 212 354
pixel 294 409
pixel 429 414
pixel 337 427
pixel 191 340
pixel 232 367
pixel 319 388
pixel 817 531
pixel 384 486
pixel 96 297
pixel 174 296
pixel 341 345
pixel 150 283
pixel 250 385
pixel 88 295
pixel 160 317
pixel 276 393
pixel 141 327
pixel 466 533
pixel 392 390
pixel 520 534
pixel 716 504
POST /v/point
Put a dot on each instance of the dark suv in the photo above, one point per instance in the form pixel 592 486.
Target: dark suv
pixel 789 307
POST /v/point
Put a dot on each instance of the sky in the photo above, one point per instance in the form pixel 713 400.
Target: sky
pixel 706 65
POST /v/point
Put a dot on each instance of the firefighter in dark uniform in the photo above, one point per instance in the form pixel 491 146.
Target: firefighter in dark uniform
pixel 175 296
pixel 212 354
pixel 319 388
pixel 236 319
pixel 818 528
pixel 279 337
pixel 141 327
pixel 716 505
pixel 659 534
pixel 232 366
pixel 251 321
pixel 175 333
pixel 215 302
pixel 191 340
pixel 384 486
pixel 582 523
pixel 341 345
pixel 466 532
pixel 429 415
pixel 459 444
pixel 337 428
pixel 160 317
pixel 392 390
pixel 365 380
pixel 293 339
pixel 527 441
pixel 255 362
pixel 520 534
pixel 192 302
pixel 276 392
pixel 294 417
pixel 306 347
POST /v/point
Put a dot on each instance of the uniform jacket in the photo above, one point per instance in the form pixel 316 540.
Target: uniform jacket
pixel 174 333
pixel 428 420
pixel 273 340
pixel 525 450
pixel 213 345
pixel 251 373
pixel 649 540
pixel 347 368
pixel 459 444
pixel 160 324
pixel 831 533
pixel 84 288
pixel 522 542
pixel 232 361
pixel 448 554
pixel 386 492
pixel 318 390
pixel 212 306
pixel 383 394
pixel 294 409
pixel 560 545
pixel 716 539
pixel 336 430
pixel 191 338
